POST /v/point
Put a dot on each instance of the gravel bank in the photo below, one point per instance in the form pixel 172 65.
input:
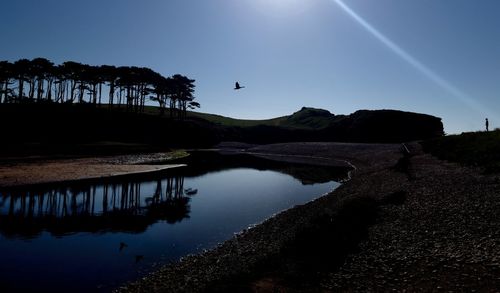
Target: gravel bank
pixel 240 255
pixel 444 235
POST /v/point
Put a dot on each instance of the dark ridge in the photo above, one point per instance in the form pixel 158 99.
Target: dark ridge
pixel 386 126
pixel 309 118
pixel 61 125
pixel 377 126
pixel 60 128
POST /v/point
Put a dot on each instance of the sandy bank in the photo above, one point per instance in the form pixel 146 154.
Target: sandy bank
pixel 34 172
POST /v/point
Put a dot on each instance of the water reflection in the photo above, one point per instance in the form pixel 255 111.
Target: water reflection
pixel 93 208
pixel 202 162
pixel 131 224
pixel 129 206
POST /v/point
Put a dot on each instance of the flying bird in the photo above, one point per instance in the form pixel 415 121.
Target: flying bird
pixel 238 87
pixel 123 245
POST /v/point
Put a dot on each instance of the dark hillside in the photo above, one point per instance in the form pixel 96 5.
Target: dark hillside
pixel 309 118
pixel 305 118
pixel 384 126
pixel 67 124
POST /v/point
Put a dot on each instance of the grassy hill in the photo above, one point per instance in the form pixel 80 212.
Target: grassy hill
pixel 62 125
pixel 310 124
pixel 306 118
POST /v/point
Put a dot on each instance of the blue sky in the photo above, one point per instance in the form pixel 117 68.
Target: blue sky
pixel 288 53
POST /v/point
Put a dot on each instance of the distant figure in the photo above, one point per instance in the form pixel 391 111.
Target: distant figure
pixel 123 245
pixel 238 87
pixel 487 125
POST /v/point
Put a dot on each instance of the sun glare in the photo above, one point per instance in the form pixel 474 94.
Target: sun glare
pixel 281 7
pixel 417 64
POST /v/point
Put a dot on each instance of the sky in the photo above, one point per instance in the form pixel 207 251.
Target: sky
pixel 439 57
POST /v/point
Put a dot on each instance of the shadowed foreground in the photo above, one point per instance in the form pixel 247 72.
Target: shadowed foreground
pixel 415 223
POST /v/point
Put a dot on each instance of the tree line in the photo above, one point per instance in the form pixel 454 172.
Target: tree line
pixel 41 81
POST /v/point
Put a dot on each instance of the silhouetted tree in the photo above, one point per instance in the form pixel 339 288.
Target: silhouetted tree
pixel 163 89
pixel 6 77
pixel 94 80
pixel 109 74
pixel 183 93
pixel 68 73
pixel 40 70
pixel 72 82
pixel 61 77
pixel 50 77
pixel 21 68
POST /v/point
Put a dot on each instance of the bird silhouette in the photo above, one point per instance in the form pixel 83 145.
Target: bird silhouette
pixel 123 245
pixel 238 87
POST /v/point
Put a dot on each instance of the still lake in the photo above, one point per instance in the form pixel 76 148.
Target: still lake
pixel 95 236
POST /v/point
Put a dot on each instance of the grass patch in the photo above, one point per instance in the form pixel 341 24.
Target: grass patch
pixel 480 149
pixel 227 121
pixel 306 118
pixel 177 154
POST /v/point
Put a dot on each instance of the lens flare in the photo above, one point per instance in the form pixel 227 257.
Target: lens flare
pixel 433 76
pixel 282 7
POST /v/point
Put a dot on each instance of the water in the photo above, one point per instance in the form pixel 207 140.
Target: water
pixel 96 236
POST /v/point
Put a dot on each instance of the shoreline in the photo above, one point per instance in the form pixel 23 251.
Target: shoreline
pixel 48 170
pixel 21 174
pixel 431 226
pixel 228 265
pixel 418 224
pixel 135 174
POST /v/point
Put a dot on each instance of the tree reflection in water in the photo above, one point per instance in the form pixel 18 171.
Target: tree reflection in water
pixel 134 205
pixel 92 208
pixel 130 224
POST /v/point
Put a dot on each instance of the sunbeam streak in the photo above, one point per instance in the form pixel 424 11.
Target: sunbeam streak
pixel 433 76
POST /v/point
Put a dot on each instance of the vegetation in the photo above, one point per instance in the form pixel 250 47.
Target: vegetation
pixel 380 126
pixel 59 127
pixel 472 149
pixel 232 122
pixel 54 128
pixel 79 103
pixel 305 118
pixel 310 124
pixel 40 81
